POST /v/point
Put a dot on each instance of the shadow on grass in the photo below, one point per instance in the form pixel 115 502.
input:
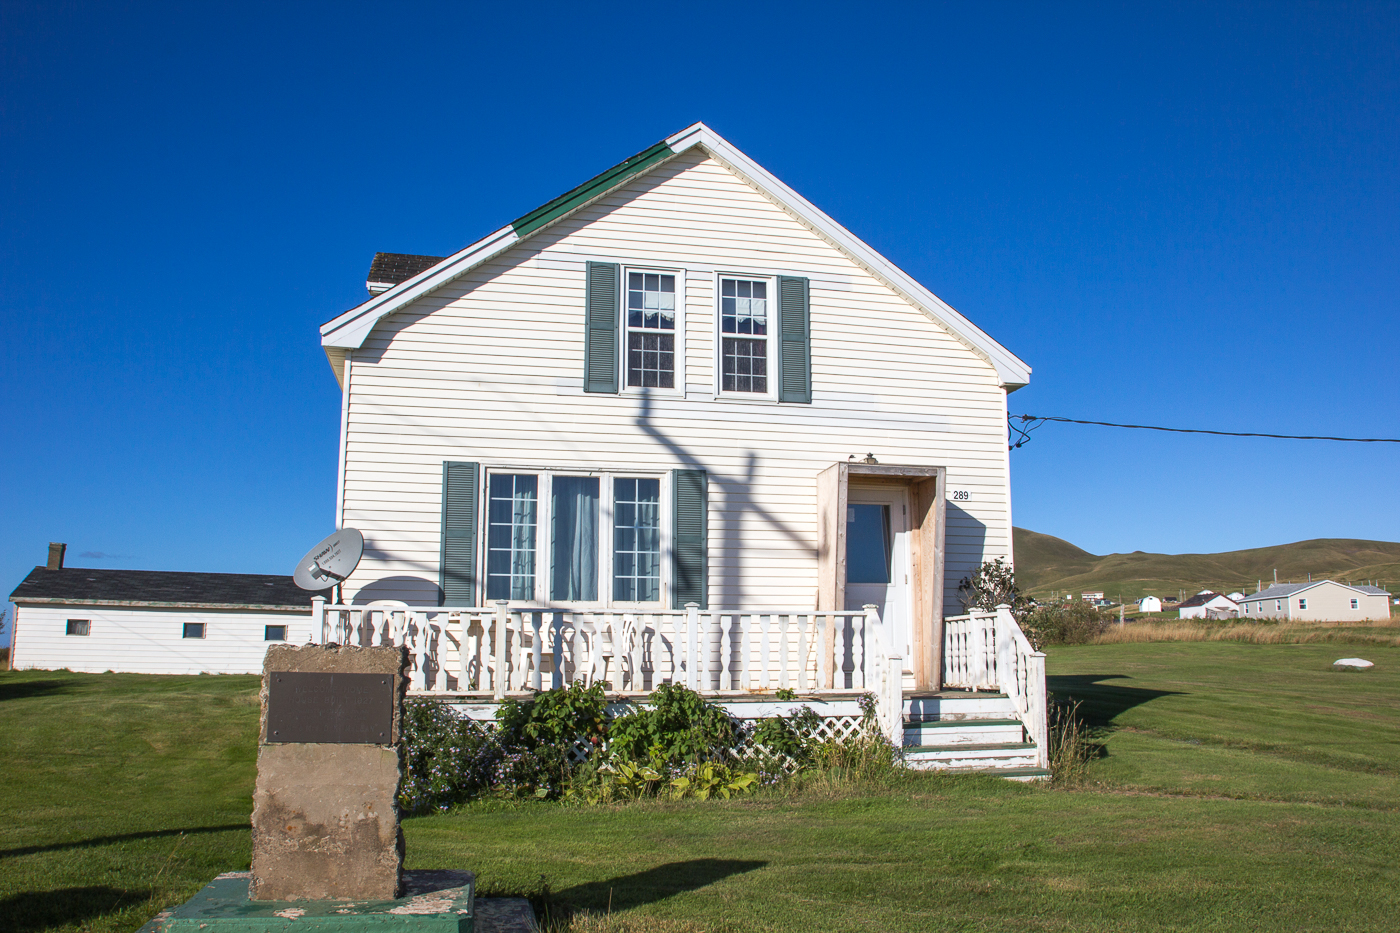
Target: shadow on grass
pixel 638 888
pixel 23 689
pixel 124 837
pixel 31 911
pixel 1100 702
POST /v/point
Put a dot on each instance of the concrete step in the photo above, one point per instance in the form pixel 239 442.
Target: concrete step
pixel 993 757
pixel 958 706
pixel 963 732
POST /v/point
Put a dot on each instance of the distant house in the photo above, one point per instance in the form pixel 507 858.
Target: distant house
pixel 1208 605
pixel 153 621
pixel 1149 604
pixel 1236 596
pixel 1096 597
pixel 1318 600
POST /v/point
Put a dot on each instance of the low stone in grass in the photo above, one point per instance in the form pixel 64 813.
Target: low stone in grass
pixel 1352 664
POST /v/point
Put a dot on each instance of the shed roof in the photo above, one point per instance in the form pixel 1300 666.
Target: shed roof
pixel 85 586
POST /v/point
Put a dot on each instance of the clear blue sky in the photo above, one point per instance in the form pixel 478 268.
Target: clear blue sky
pixel 1179 214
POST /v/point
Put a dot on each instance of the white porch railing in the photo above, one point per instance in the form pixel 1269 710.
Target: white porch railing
pixel 988 651
pixel 503 650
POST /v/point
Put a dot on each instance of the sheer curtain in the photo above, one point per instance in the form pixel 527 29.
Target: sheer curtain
pixel 574 538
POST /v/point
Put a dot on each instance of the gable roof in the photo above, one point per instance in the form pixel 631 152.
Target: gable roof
pixel 83 586
pixel 349 330
pixel 1281 590
pixel 1204 599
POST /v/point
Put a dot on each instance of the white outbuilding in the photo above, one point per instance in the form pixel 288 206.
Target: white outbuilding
pixel 1149 604
pixel 1209 605
pixel 153 621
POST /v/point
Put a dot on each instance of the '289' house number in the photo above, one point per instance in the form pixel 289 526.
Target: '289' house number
pixel 960 494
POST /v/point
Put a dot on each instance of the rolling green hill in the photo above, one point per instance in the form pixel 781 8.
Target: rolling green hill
pixel 1045 564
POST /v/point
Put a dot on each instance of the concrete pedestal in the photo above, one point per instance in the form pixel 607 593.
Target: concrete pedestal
pixel 433 902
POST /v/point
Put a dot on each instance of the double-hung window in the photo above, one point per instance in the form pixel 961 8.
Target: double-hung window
pixel 651 330
pixel 1302 603
pixel 745 344
pixel 556 537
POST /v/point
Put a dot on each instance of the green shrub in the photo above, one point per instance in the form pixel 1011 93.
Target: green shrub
pixel 447 758
pixel 1074 623
pixel 540 736
pixel 676 727
pixel 792 737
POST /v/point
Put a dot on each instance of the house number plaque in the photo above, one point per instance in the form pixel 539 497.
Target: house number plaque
pixel 330 708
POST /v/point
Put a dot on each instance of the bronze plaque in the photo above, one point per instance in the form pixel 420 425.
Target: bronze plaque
pixel 333 708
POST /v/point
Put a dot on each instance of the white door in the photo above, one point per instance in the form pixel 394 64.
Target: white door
pixel 877 557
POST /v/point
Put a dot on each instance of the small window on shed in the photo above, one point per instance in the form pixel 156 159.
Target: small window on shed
pixel 194 630
pixel 1302 603
pixel 84 626
pixel 274 633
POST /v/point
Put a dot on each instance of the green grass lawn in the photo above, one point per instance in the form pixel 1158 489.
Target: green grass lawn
pixel 1238 787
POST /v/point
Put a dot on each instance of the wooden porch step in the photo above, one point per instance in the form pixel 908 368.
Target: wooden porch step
pixel 962 732
pixel 991 757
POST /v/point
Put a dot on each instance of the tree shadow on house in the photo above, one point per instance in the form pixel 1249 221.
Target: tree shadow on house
pixel 639 888
pixel 1101 702
pixel 31 911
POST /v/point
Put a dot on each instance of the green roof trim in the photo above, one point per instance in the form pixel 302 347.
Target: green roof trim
pixel 591 189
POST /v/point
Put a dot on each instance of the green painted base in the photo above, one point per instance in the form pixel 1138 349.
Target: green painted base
pixel 434 902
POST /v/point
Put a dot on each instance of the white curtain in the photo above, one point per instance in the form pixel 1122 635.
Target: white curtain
pixel 574 541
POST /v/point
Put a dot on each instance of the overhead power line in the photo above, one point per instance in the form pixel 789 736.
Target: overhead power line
pixel 1030 422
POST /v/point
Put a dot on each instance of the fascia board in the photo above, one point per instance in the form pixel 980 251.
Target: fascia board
pixel 350 329
pixel 1012 371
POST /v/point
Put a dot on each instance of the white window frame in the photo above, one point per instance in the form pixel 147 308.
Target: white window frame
pixel 83 627
pixel 679 388
pixel 1302 603
pixel 544 529
pixel 771 337
pixel 1356 603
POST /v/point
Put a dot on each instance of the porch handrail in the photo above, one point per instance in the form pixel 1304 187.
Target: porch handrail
pixel 502 649
pixel 988 651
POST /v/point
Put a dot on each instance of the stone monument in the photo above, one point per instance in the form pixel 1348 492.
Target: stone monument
pixel 327 848
pixel 325 808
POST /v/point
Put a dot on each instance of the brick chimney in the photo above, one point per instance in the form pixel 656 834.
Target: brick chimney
pixel 56 555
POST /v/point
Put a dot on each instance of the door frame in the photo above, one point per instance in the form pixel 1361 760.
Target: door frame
pixel 926 523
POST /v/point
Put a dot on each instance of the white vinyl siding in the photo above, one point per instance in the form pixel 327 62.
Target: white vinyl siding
pixel 148 640
pixel 490 369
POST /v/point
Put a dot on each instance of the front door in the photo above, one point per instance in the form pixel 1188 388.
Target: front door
pixel 877 557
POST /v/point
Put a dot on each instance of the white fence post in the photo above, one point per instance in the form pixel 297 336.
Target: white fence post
pixel 318 620
pixel 692 645
pixel 498 676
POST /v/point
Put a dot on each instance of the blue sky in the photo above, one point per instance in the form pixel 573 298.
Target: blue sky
pixel 1181 214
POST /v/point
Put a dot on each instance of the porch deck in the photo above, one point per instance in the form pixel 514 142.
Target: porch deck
pixel 990 714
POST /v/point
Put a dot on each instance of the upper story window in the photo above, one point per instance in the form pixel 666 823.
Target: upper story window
pixel 746 349
pixel 651 330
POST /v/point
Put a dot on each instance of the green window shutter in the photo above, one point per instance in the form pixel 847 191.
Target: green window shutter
pixel 795 335
pixel 601 305
pixel 457 569
pixel 690 550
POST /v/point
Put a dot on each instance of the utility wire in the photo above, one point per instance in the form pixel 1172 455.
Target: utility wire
pixel 1036 421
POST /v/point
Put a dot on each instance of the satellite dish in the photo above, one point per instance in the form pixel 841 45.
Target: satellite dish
pixel 331 561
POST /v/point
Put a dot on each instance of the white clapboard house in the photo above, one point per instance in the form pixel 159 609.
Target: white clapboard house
pixel 679 424
pixel 152 621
